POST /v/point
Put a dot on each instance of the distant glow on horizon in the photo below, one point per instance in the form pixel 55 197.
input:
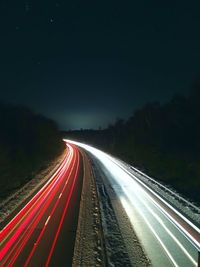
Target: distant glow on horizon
pixel 84 120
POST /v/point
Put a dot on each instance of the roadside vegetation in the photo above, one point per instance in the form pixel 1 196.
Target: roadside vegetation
pixel 28 142
pixel 161 140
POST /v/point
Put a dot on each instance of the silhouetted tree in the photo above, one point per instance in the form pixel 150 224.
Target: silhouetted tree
pixel 27 142
pixel 162 140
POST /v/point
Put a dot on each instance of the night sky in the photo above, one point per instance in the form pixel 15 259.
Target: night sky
pixel 85 63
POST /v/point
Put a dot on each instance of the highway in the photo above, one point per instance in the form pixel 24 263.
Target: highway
pixel 168 238
pixel 42 233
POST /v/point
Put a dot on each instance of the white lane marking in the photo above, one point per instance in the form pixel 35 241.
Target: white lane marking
pixel 64 163
pixel 188 235
pixel 177 241
pixel 154 233
pixel 161 185
pixel 128 194
pixel 47 220
pixel 103 157
pixel 169 232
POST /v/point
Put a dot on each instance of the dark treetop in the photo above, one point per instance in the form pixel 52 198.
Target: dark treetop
pixel 84 63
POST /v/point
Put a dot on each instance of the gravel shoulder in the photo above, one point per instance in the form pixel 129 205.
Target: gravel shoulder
pixel 122 245
pixel 12 204
pixel 104 235
pixel 89 244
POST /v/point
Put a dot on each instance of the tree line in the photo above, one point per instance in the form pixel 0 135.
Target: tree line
pixel 162 140
pixel 28 141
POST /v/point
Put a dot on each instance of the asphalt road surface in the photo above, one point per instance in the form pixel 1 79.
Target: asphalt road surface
pixel 168 238
pixel 43 232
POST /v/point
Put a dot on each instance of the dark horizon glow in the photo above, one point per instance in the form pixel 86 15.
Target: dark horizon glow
pixel 86 63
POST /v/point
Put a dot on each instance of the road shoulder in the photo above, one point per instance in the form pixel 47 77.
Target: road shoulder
pixel 13 203
pixel 89 245
pixel 104 235
pixel 122 245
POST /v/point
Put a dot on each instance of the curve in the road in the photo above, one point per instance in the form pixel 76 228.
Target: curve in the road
pixel 168 238
pixel 30 238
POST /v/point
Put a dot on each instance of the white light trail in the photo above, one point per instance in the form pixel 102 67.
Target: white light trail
pixel 132 185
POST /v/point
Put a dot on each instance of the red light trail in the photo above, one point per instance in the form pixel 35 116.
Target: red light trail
pixel 20 239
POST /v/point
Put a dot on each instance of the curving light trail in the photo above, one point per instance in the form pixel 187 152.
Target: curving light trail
pixel 21 238
pixel 167 236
